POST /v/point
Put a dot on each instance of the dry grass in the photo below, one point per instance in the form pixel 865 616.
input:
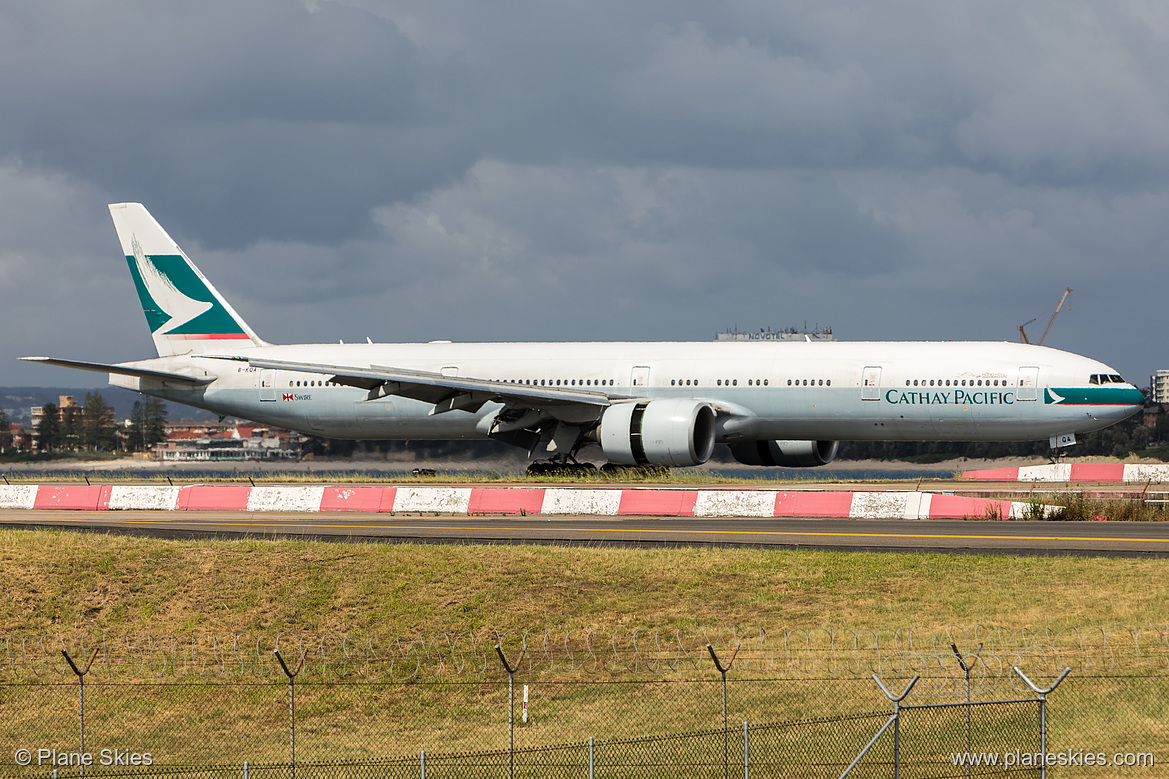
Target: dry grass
pixel 58 581
pixel 62 583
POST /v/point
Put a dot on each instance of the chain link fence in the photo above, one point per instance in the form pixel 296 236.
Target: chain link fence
pixel 798 704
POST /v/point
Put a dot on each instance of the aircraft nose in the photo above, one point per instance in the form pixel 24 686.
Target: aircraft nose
pixel 1132 397
pixel 1127 400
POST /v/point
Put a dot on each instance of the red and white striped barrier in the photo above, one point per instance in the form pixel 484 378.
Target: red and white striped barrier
pixel 1116 472
pixel 512 500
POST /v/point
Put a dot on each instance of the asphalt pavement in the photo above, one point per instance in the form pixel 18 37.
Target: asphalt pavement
pixel 1113 539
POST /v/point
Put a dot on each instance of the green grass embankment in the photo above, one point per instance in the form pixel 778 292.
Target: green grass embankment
pixel 60 582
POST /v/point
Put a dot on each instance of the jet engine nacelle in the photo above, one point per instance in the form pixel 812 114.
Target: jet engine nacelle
pixel 668 432
pixel 786 454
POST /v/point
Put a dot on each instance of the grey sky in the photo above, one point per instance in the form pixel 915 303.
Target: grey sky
pixel 590 170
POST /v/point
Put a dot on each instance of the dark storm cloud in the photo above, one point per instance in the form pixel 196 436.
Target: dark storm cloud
pixel 236 113
pixel 590 169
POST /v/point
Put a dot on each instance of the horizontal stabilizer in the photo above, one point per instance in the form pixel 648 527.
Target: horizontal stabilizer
pixel 121 370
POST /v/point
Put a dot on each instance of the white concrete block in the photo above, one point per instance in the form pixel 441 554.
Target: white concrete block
pixel 1158 474
pixel 1061 472
pixel 444 500
pixel 735 503
pixel 285 498
pixel 1022 510
pixel 601 503
pixel 148 498
pixel 883 505
pixel 18 496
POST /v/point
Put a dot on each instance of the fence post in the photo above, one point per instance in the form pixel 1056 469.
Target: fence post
pixel 291 709
pixel 1042 713
pixel 510 706
pixel 895 720
pixel 746 754
pixel 723 671
pixel 966 669
pixel 590 757
pixel 424 764
pixel 80 695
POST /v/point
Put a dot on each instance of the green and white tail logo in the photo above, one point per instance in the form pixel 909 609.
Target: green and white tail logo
pixel 185 313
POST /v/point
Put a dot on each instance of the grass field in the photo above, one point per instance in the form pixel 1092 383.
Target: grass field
pixel 67 582
pixel 61 583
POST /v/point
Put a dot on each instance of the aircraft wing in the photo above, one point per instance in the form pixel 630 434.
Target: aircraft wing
pixel 122 370
pixel 448 393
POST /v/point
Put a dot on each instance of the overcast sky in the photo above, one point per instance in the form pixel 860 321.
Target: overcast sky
pixel 600 170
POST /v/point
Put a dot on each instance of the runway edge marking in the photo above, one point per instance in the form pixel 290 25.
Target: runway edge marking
pixel 1065 472
pixel 604 502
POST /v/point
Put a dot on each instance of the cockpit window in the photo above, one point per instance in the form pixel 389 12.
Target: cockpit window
pixel 1106 378
pixel 1116 379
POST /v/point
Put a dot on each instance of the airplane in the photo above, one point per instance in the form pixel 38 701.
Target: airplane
pixel 775 403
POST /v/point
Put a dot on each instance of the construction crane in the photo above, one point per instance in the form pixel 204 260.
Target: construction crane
pixel 1058 306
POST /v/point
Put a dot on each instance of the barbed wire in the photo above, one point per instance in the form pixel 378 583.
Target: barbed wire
pixel 626 651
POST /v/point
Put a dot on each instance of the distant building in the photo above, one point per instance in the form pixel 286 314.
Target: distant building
pixel 1151 416
pixel 1159 384
pixel 20 438
pixel 197 442
pixel 38 412
pixel 788 334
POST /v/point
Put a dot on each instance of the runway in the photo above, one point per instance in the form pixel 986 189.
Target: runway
pixel 1110 539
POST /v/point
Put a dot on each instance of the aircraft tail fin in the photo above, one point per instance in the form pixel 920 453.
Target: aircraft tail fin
pixel 186 314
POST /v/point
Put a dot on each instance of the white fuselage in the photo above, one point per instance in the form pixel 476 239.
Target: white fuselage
pixel 969 391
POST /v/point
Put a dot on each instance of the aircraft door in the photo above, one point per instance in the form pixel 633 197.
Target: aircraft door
pixel 1028 383
pixel 639 380
pixel 267 385
pixel 871 383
